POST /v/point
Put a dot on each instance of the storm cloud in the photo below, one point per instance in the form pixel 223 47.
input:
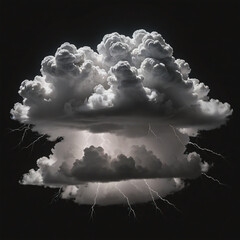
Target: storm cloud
pixel 125 114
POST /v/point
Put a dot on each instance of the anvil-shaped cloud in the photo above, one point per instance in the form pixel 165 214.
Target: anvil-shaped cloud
pixel 125 112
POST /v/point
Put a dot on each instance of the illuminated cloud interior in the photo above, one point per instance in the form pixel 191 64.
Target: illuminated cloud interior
pixel 125 113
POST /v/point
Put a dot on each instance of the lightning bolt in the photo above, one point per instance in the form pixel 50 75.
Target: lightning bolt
pixel 24 133
pixel 150 192
pixel 175 133
pixel 32 143
pixel 129 205
pixel 57 195
pixel 196 145
pixel 152 132
pixel 215 180
pixel 104 139
pixel 163 199
pixel 206 149
pixel 95 201
pixel 19 129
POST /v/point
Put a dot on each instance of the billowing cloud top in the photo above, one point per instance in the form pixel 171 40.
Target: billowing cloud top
pixel 128 78
pixel 125 112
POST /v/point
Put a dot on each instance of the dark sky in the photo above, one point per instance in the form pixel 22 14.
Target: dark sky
pixel 204 33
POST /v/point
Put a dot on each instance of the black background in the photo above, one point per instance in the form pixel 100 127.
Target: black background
pixel 204 33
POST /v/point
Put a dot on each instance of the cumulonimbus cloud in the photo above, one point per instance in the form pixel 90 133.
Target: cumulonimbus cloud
pixel 125 112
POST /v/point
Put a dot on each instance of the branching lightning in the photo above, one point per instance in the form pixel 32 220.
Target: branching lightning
pixel 163 199
pixel 95 201
pixel 23 128
pixel 215 180
pixel 129 205
pixel 196 145
pixel 203 149
pixel 19 129
pixel 150 192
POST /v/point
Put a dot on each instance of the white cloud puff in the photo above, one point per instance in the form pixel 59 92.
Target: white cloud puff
pixel 134 74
